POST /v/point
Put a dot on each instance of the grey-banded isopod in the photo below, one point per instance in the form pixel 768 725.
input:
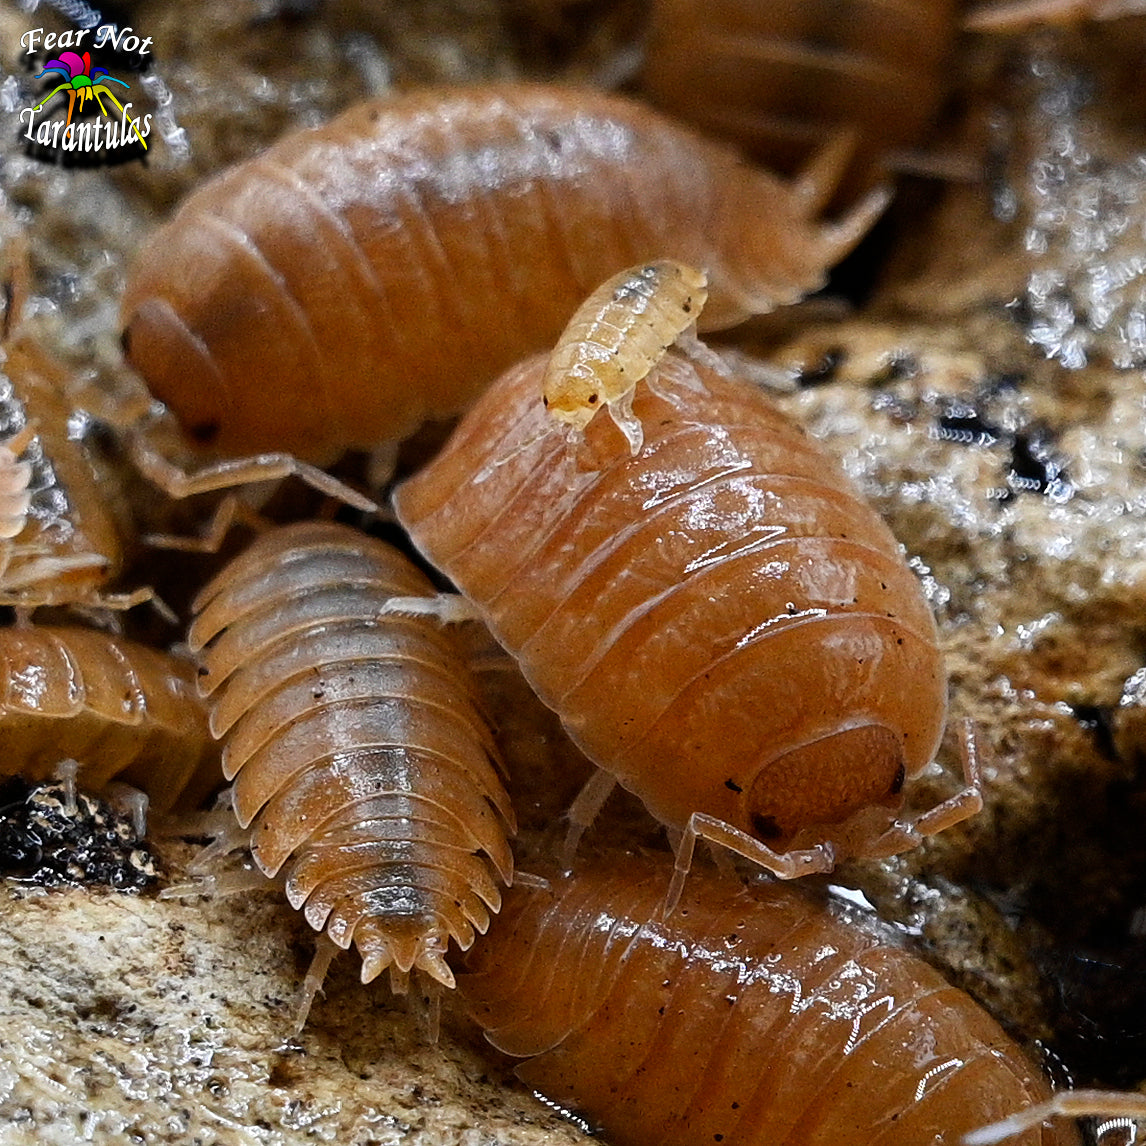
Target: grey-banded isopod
pixel 360 764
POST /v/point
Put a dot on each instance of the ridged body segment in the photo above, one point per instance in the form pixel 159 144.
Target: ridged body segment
pixel 721 621
pixel 65 542
pixel 751 1017
pixel 778 77
pixel 358 757
pixel 359 278
pixel 120 710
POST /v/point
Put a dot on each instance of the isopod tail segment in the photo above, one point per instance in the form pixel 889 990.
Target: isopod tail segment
pixel 1108 1104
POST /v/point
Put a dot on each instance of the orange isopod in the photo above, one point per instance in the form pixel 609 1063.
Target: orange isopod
pixel 62 542
pixel 120 710
pixel 1012 15
pixel 359 759
pixel 777 77
pixel 752 1017
pixel 722 623
pixel 359 278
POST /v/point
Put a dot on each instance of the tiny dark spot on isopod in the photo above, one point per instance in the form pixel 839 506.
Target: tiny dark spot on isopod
pixel 765 826
pixel 593 399
pixel 204 432
pixel 897 782
pixel 731 784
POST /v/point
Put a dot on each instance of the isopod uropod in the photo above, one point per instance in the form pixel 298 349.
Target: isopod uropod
pixel 337 290
pixel 360 763
pixel 722 623
pixel 122 711
pixel 753 1017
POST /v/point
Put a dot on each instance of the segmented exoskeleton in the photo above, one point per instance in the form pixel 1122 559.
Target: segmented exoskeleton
pixel 360 763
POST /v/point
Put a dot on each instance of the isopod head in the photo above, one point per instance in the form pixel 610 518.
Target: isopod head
pixel 825 781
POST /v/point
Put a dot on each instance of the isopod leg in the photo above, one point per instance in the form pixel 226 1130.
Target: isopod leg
pixel 821 175
pixel 621 411
pixel 227 512
pixel 689 344
pixel 1009 17
pixel 583 811
pixel 904 835
pixel 66 772
pixel 425 1004
pixel 448 608
pixel 783 865
pixel 131 802
pixel 1068 1104
pixel 324 951
pixel 238 471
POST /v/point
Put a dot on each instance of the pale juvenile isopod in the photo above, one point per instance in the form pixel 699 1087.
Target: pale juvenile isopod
pixel 614 339
pixel 752 1017
pixel 120 710
pixel 778 77
pixel 359 278
pixel 360 763
pixel 722 623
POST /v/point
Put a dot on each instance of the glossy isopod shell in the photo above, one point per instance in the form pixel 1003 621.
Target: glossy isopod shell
pixel 358 757
pixel 752 1017
pixel 359 278
pixel 776 77
pixel 120 710
pixel 63 539
pixel 721 622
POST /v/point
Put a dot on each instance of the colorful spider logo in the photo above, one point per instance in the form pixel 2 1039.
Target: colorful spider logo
pixel 86 82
